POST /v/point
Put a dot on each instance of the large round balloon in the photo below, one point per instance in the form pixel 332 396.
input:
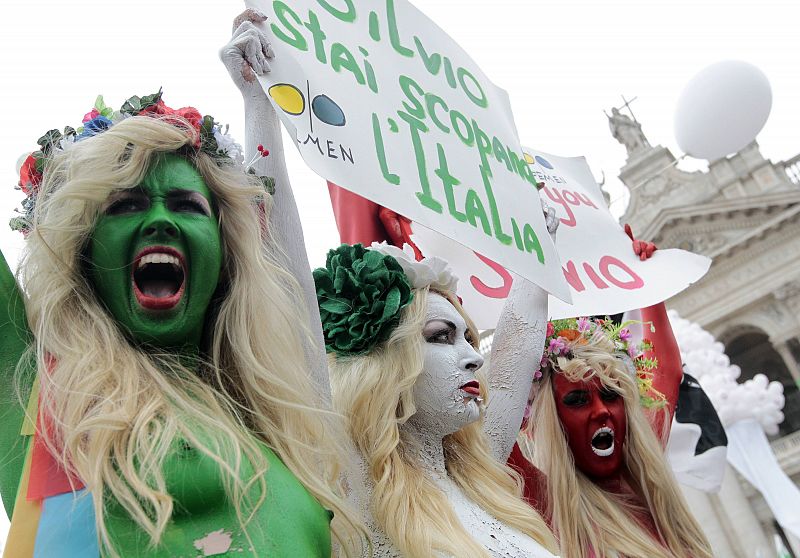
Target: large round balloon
pixel 722 109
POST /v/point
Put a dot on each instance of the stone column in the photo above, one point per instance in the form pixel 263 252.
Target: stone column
pixel 743 529
pixel 708 516
pixel 789 361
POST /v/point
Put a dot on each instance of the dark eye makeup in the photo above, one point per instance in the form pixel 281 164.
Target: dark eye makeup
pixel 181 201
pixel 188 202
pixel 576 398
pixel 127 202
pixel 608 394
pixel 439 331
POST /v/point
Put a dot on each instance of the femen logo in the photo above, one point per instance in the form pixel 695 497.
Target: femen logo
pixel 292 101
pixel 531 159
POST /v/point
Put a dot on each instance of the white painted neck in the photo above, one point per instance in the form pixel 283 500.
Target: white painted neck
pixel 426 446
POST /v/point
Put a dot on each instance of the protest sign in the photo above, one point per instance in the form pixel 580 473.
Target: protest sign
pixel 382 102
pixel 598 263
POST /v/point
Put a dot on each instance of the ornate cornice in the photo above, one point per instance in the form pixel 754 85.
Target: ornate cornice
pixel 737 281
pixel 676 216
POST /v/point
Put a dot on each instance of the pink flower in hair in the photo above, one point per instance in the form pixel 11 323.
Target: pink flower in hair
pixel 583 324
pixel 557 346
pixel 550 329
pixel 625 334
pixel 94 113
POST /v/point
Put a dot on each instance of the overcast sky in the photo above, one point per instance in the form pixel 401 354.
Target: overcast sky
pixel 562 61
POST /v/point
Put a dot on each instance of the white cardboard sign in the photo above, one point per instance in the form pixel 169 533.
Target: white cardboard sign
pixel 381 101
pixel 598 263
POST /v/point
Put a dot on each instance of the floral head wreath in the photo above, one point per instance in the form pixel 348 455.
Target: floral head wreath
pixel 562 335
pixel 361 292
pixel 212 139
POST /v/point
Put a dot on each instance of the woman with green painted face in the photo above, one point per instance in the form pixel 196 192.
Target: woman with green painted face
pixel 176 412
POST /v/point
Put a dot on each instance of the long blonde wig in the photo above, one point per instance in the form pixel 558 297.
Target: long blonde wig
pixel 118 410
pixel 584 516
pixel 374 392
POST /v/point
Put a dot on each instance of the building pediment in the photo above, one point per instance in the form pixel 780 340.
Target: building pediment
pixel 716 227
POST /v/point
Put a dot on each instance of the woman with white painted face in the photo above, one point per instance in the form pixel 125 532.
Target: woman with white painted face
pixel 428 457
pixel 404 372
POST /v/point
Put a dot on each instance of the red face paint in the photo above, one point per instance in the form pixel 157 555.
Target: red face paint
pixel 594 421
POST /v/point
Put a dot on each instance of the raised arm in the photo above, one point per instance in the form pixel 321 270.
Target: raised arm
pixel 667 377
pixel 247 54
pixel 516 353
pixel 14 340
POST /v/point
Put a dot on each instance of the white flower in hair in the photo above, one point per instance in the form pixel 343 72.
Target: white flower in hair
pixel 432 271
pixel 226 145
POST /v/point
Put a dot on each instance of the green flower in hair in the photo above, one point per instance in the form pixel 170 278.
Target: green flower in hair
pixel 360 294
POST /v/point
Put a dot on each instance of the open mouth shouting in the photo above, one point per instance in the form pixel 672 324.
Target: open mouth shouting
pixel 159 277
pixel 603 441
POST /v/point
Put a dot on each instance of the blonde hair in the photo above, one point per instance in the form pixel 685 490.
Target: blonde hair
pixel 118 410
pixel 584 516
pixel 374 392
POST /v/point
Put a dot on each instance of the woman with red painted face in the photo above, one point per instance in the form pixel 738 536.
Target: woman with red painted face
pixel 600 421
pixel 607 488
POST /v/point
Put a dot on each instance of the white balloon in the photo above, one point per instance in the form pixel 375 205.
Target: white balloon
pixel 722 109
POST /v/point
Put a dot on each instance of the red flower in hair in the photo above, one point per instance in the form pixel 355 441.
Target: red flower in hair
pixel 91 115
pixel 29 177
pixel 192 115
pixel 156 109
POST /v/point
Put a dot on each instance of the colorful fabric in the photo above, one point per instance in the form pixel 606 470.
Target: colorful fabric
pixel 47 478
pixel 67 527
pixel 24 520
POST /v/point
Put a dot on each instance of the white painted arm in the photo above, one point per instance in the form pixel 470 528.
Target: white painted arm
pixel 516 352
pixel 246 54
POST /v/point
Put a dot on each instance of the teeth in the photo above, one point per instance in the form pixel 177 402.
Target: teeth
pixel 158 258
pixel 609 450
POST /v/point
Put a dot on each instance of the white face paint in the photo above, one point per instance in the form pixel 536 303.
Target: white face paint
pixel 446 393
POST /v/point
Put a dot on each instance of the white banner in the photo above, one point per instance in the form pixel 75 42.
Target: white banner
pixel 750 453
pixel 383 102
pixel 598 263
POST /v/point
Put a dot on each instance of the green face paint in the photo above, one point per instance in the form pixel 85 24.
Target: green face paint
pixel 155 255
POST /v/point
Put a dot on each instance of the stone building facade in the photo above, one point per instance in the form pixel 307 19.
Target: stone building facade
pixel 744 213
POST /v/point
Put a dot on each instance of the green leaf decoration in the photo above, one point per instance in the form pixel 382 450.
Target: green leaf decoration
pixel 48 140
pixel 269 184
pixel 39 157
pixel 19 224
pixel 361 294
pixel 149 100
pixel 132 106
pixel 208 143
pixel 99 104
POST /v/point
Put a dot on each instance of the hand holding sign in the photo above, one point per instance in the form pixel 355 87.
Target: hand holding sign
pixel 641 248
